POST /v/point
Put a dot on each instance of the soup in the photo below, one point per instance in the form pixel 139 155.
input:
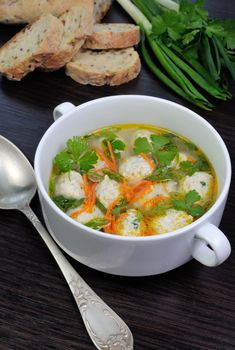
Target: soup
pixel 132 180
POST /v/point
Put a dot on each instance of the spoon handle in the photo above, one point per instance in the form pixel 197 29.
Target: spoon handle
pixel 106 329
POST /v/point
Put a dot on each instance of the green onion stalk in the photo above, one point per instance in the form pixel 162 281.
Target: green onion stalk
pixel 180 72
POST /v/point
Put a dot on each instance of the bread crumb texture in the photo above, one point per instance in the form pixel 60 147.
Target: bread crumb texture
pixel 112 67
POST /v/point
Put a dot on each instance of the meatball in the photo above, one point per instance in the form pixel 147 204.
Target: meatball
pixel 130 224
pixel 201 182
pixel 85 217
pixel 158 189
pixel 69 185
pixel 135 168
pixel 108 191
pixel 173 220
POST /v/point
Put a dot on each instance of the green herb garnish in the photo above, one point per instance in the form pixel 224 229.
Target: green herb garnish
pixel 190 168
pixel 188 204
pixel 162 174
pixel 117 146
pixel 100 206
pixel 120 207
pixel 78 155
pixel 97 224
pixel 187 50
pixel 52 187
pixel 113 175
pixel 142 145
pixel 67 203
pixel 158 210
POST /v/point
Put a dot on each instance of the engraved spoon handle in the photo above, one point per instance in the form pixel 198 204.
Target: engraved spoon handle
pixel 106 329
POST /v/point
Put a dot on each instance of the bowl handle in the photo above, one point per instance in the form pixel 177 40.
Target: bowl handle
pixel 211 247
pixel 61 109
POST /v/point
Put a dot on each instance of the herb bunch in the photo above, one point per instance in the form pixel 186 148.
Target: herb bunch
pixel 186 49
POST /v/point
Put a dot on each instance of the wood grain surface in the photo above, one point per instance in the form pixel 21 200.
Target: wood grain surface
pixel 190 308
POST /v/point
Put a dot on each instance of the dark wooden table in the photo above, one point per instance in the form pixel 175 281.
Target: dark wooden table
pixel 190 308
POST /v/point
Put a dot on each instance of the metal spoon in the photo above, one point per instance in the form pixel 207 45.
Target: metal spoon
pixel 17 188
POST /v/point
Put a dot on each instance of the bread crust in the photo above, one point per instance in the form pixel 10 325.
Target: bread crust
pixel 101 7
pixel 102 40
pixel 45 49
pixel 27 11
pixel 69 47
pixel 84 76
pixel 62 57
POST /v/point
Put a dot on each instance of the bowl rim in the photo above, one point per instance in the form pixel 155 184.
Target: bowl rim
pixel 220 200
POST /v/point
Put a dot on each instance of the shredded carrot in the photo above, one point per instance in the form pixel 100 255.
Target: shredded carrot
pixel 112 155
pixel 155 200
pixel 86 185
pixel 144 189
pixel 148 160
pixel 91 200
pixel 148 233
pixel 126 190
pixel 105 159
pixel 79 211
pixel 140 184
pixel 90 194
pixel 131 191
pixel 122 217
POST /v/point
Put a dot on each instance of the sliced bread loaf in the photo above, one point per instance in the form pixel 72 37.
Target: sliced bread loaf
pixel 78 23
pixel 29 48
pixel 113 36
pixel 27 11
pixel 112 67
pixel 101 7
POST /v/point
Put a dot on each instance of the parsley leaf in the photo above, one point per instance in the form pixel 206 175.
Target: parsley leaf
pixel 141 145
pixel 67 203
pixel 196 211
pixel 63 162
pixel 190 168
pixel 78 155
pixel 88 160
pixel 77 146
pixel 166 155
pixel 108 134
pixel 191 197
pixel 97 224
pixel 159 141
pixel 188 204
pixel 117 146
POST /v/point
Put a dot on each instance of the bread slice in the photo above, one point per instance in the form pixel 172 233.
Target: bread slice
pixel 101 7
pixel 78 23
pixel 27 11
pixel 112 67
pixel 113 36
pixel 29 48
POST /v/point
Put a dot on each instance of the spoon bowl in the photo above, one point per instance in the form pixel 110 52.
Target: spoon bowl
pixel 17 180
pixel 17 188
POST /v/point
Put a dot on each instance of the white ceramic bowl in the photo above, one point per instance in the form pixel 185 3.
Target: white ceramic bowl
pixel 135 256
